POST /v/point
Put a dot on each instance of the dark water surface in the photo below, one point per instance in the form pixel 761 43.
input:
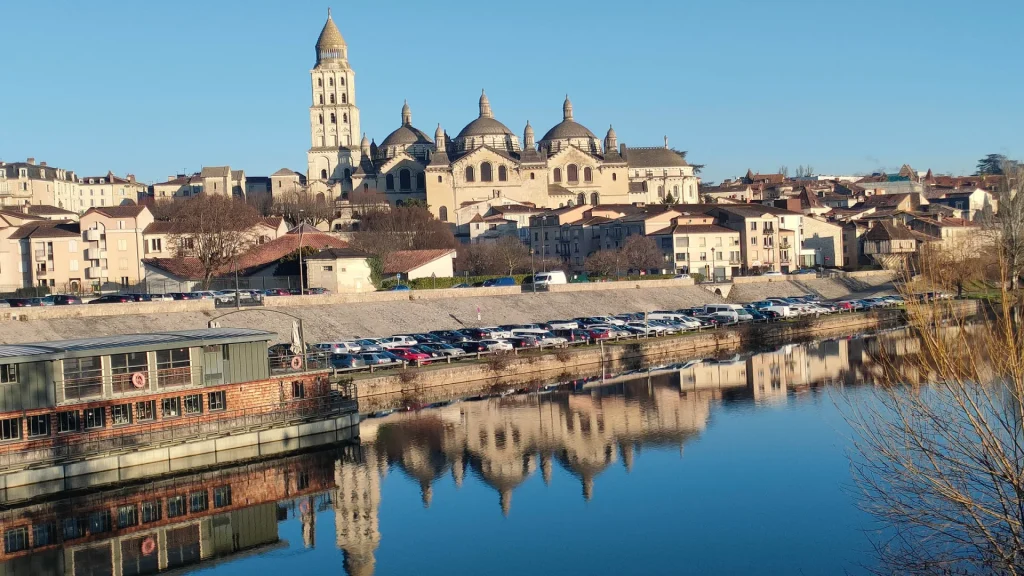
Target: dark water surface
pixel 726 467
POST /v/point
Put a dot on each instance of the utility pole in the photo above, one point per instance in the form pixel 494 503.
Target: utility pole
pixel 302 224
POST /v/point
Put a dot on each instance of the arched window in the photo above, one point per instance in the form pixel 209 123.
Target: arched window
pixel 470 175
pixel 675 192
pixel 366 186
pixel 341 81
pixel 404 180
pixel 569 204
pixel 348 173
pixel 332 99
pixel 334 119
pixel 443 213
pixel 321 98
pixel 320 198
pixel 558 175
pixel 581 198
pixel 532 176
pixel 323 174
pixel 485 172
pixel 330 81
pixel 572 173
pixel 321 119
pixel 344 118
pixel 421 181
pixel 319 82
pixel 502 173
pixel 588 174
pixel 614 176
pixel 389 182
pixel 595 199
pixel 440 179
pixel 344 99
pixel 661 191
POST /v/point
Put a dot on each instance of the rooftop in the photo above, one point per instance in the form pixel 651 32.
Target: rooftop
pixel 404 261
pixel 32 352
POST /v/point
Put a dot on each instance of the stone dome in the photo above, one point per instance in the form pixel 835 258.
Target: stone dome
pixel 404 136
pixel 486 131
pixel 484 127
pixel 568 132
pixel 568 129
pixel 330 45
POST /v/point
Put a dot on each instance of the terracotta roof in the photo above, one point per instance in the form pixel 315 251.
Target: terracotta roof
pixel 279 248
pixel 159 227
pixel 810 200
pixel 654 158
pixel 950 222
pixel 405 261
pixel 476 218
pixel 45 210
pixel 885 199
pixel 338 254
pixel 47 229
pixel 694 229
pixel 516 208
pixel 272 221
pixel 14 213
pixel 129 211
pixel 184 268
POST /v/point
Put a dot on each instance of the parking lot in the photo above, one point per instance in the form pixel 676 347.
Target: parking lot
pixel 447 346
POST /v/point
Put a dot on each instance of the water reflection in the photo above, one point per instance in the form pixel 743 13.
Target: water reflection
pixel 202 520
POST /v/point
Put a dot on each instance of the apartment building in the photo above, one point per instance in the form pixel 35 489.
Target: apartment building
pixel 42 253
pixel 695 244
pixel 826 240
pixel 223 180
pixel 758 228
pixel 177 186
pixel 114 243
pixel 107 190
pixel 285 183
pixel 570 232
pixel 31 183
pixel 160 241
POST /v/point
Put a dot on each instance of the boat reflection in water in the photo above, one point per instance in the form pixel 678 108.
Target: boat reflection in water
pixel 202 519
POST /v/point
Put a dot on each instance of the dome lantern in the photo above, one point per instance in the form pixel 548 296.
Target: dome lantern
pixel 330 46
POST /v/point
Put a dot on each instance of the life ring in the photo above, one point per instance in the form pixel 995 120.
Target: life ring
pixel 148 546
pixel 139 380
pixel 304 507
pixel 296 362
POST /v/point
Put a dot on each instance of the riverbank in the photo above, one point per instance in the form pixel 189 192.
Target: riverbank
pixel 338 317
pixel 495 373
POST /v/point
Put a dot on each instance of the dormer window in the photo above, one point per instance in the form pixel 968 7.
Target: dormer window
pixel 22 173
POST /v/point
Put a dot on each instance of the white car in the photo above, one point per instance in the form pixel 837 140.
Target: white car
pixel 497 332
pixel 497 345
pixel 340 347
pixel 652 329
pixel 544 337
pixel 772 273
pixel 396 341
pixel 564 324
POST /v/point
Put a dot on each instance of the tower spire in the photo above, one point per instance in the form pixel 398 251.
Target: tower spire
pixel 406 114
pixel 485 106
pixel 567 109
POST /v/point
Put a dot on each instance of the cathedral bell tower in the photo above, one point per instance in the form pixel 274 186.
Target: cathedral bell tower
pixel 333 115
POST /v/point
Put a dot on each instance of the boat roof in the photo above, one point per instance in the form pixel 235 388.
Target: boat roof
pixel 125 343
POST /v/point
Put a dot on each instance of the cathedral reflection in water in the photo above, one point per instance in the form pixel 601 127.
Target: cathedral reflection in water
pixel 222 515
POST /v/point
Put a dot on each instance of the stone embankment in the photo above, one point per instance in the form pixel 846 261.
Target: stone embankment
pixel 345 316
pixel 447 381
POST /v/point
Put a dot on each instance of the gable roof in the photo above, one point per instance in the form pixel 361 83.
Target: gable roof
pixel 278 248
pixel 45 210
pixel 694 229
pixel 184 268
pixel 405 261
pixel 888 231
pixel 215 172
pixel 127 211
pixel 47 229
pixel 338 254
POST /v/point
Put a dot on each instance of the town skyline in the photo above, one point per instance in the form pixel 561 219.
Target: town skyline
pixel 259 125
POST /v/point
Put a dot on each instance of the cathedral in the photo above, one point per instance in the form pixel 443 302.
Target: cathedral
pixel 568 166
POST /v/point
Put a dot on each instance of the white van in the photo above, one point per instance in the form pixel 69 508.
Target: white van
pixel 549 278
pixel 545 337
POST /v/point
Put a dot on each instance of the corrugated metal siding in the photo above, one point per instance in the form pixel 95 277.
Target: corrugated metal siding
pixel 247 362
pixel 33 390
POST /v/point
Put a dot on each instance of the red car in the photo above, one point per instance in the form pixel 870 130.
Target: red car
pixel 410 355
pixel 598 333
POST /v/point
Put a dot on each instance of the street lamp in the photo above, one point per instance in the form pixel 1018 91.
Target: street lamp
pixel 302 225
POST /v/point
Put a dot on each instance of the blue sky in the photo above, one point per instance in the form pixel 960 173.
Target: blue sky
pixel 156 88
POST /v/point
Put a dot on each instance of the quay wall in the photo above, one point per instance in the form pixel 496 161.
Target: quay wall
pixel 486 375
pixel 344 316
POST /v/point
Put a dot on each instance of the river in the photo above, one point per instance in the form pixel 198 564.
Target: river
pixel 729 466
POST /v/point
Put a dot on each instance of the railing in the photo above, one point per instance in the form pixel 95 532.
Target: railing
pixel 155 434
pixel 298 363
pixel 91 386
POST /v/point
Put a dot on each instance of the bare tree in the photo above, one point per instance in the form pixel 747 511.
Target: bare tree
pixel 641 253
pixel 1010 205
pixel 938 447
pixel 956 262
pixel 210 228
pixel 804 171
pixel 784 170
pixel 302 206
pixel 384 229
pixel 511 253
pixel 603 262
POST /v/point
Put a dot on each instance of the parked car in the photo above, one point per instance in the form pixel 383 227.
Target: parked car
pixel 276 292
pixel 450 335
pixel 543 337
pixel 140 297
pixel 22 302
pixel 598 332
pixel 398 288
pixel 203 295
pixel 545 279
pixel 345 347
pixel 471 346
pixel 444 349
pixel 424 337
pixel 347 361
pixel 180 296
pixel 369 345
pixel 375 359
pixel 111 299
pixel 503 281
pixel 519 342
pixel 45 300
pixel 65 300
pixel 772 273
pixel 561 325
pixel 317 291
pixel 462 285
pixel 497 345
pixel 574 335
pixel 409 354
pixel 396 341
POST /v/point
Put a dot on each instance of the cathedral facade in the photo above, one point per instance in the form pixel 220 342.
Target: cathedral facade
pixel 568 166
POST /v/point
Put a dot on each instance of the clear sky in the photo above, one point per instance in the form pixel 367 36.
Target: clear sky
pixel 156 88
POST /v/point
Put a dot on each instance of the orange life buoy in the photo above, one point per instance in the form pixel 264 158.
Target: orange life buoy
pixel 296 362
pixel 139 380
pixel 148 546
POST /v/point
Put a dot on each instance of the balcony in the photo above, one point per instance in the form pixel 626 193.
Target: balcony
pixel 92 253
pixel 94 272
pixel 93 235
pixel 41 255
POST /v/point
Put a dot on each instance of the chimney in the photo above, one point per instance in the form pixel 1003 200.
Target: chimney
pixel 43 164
pixel 666 141
pixel 30 161
pixel 130 177
pixel 622 150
